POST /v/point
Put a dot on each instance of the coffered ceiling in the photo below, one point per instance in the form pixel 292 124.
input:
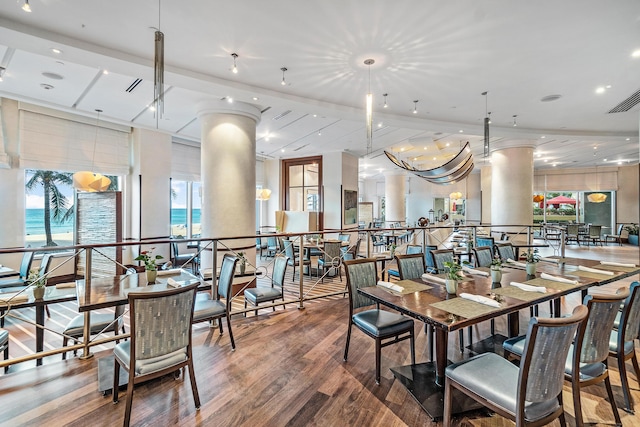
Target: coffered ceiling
pixel 442 54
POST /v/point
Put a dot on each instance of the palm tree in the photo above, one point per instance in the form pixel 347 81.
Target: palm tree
pixel 54 201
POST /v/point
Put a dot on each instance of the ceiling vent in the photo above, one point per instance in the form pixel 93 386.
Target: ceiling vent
pixel 281 115
pixel 133 85
pixel 627 104
pixel 265 110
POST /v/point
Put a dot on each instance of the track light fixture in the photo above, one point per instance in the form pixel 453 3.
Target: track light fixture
pixel 26 7
pixel 283 82
pixel 234 70
pixel 415 107
pixel 385 100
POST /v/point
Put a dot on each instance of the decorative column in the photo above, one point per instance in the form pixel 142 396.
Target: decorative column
pixel 512 185
pixel 228 174
pixel 394 188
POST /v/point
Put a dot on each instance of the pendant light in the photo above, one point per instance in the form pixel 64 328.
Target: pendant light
pixel 158 71
pixel 234 70
pixel 91 181
pixel 26 7
pixel 283 82
pixel 597 197
pixel 487 121
pixel 369 109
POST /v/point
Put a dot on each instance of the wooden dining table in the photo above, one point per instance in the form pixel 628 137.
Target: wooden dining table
pixel 449 313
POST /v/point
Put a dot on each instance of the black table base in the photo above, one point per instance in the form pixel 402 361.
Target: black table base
pixel 419 380
pixel 105 375
pixel 492 344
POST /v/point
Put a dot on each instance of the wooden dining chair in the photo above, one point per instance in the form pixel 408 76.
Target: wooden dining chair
pixel 593 235
pixel 23 272
pixel 486 241
pixel 331 258
pixel 385 327
pixel 530 395
pixel 295 260
pixel 410 266
pixel 482 256
pixel 505 251
pixel 4 346
pixel 160 341
pixel 440 256
pixel 572 234
pixel 615 237
pixel 260 294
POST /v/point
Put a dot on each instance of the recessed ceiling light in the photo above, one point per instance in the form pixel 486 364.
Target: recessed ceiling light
pixel 604 160
pixel 543 137
pixel 56 50
pixel 255 98
pixel 282 150
pixel 545 160
pixel 105 72
pixel 53 76
pixel 448 144
pixel 550 98
pixel 600 90
pixel 415 158
pixel 628 139
pixel 554 165
pixel 460 131
pixel 635 53
pixel 152 107
pixel 380 124
pixel 402 149
pixel 433 158
pixel 425 148
pixel 46 86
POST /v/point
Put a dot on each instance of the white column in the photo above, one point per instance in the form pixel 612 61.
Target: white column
pixel 394 188
pixel 228 171
pixel 512 184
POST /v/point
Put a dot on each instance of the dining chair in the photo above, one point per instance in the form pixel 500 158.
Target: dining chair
pixel 572 234
pixel 99 324
pixel 593 234
pixel 263 294
pixel 530 395
pixel 410 266
pixel 344 237
pixel 295 260
pixel 505 251
pixel 385 327
pixel 209 309
pixel 352 251
pixel 615 237
pixel 431 268
pixel 180 260
pixel 482 256
pixel 4 346
pixel 261 245
pixel 331 258
pixel 273 247
pixel 411 249
pixel 23 272
pixel 378 242
pixel 586 362
pixel 160 341
pixel 486 241
pixel 439 257
pixel 621 342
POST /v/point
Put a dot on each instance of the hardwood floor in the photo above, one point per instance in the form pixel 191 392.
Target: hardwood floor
pixel 287 370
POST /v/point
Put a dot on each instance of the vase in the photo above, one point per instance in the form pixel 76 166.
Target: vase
pixel 633 239
pixel 531 268
pixel 243 268
pixel 496 276
pixel 451 286
pixel 38 292
pixel 151 275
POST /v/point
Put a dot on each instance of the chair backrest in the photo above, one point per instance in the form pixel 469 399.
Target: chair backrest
pixel 593 335
pixel 331 252
pixel 351 252
pixel 160 321
pixel 427 255
pixel 483 256
pixel 410 266
pixel 620 228
pixel 541 373
pixel 440 256
pixel 630 319
pixel 414 249
pixel 486 241
pixel 505 251
pixel 360 273
pixel 595 230
pixel 227 271
pixel 279 270
pixel 288 250
pixel 573 229
pixel 45 263
pixel 25 264
pixel 343 237
pixel 272 242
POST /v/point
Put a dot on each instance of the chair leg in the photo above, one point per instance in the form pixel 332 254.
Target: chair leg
pixel 6 356
pixel 245 306
pixel 577 404
pixel 446 417
pixel 233 344
pixel 127 411
pixel 64 344
pixel 412 340
pixel 116 376
pixel 461 338
pixel 194 387
pixel 429 331
pixel 616 415
pixel 378 354
pixel 346 347
pixel 622 369
pixel 561 418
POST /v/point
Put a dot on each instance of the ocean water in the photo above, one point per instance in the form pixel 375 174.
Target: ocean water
pixel 34 221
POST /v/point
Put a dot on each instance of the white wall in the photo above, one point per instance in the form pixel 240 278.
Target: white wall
pixel 339 173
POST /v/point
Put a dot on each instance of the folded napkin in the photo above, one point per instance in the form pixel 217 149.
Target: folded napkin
pixel 480 299
pixel 432 278
pixel 554 260
pixel 595 270
pixel 169 272
pixel 13 298
pixel 529 288
pixel 66 285
pixel 391 286
pixel 617 264
pixel 475 272
pixel 173 283
pixel 519 264
pixel 558 279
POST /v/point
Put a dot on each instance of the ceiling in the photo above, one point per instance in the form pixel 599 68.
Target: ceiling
pixel 442 54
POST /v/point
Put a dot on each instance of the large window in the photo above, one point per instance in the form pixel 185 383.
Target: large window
pixel 303 182
pixel 574 207
pixel 185 208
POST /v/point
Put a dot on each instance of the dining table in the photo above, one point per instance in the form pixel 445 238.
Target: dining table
pixel 447 313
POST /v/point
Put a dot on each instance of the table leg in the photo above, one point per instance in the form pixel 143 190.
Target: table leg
pixel 513 320
pixel 86 350
pixel 442 344
pixel 39 331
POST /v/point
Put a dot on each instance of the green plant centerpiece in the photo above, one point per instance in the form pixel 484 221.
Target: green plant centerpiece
pixel 632 229
pixel 452 276
pixel 150 266
pixel 532 258
pixel 496 269
pixel 242 262
pixel 37 282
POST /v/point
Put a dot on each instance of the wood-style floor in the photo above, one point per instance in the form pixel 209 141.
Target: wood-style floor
pixel 287 370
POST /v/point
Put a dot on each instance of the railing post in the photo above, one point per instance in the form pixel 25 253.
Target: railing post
pixel 86 333
pixel 301 270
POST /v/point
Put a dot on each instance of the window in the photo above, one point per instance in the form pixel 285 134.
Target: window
pixel 303 181
pixel 185 208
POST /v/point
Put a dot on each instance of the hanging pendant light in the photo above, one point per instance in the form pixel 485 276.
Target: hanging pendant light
pixel 284 70
pixel 91 181
pixel 597 197
pixel 158 71
pixel 369 109
pixel 234 70
pixel 487 121
pixel 26 7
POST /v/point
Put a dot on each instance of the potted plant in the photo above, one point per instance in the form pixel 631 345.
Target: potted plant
pixel 496 269
pixel 453 270
pixel 632 229
pixel 150 266
pixel 38 282
pixel 242 262
pixel 532 258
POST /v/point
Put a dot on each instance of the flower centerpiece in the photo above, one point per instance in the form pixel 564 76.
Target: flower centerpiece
pixel 149 264
pixel 496 269
pixel 242 262
pixel 532 258
pixel 452 276
pixel 38 282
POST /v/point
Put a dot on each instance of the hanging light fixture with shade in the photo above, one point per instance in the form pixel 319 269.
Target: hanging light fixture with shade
pixel 597 197
pixel 158 71
pixel 284 70
pixel 369 109
pixel 91 181
pixel 487 121
pixel 234 70
pixel 456 195
pixel 26 7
